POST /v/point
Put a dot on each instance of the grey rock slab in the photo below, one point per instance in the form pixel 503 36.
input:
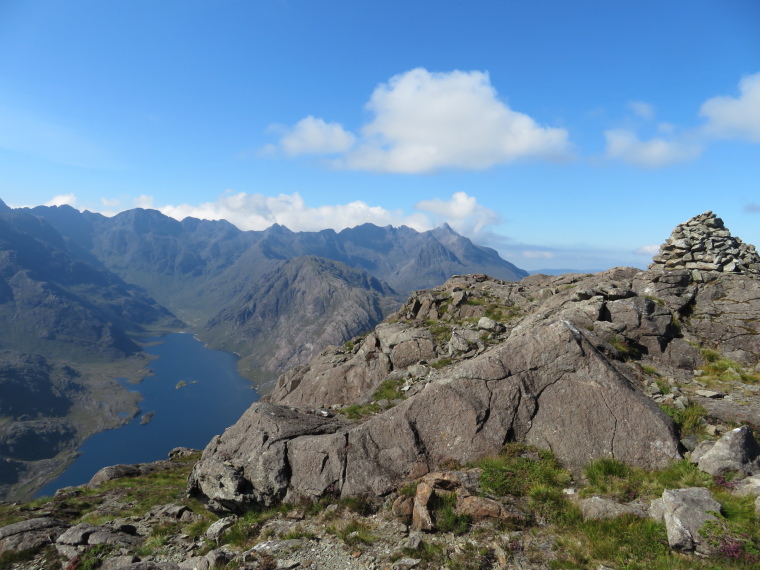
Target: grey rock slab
pixel 518 389
pixel 748 486
pixel 118 562
pixel 31 533
pixel 218 528
pixel 657 510
pixel 596 508
pixel 685 512
pixel 406 563
pixel 709 394
pixel 113 472
pixel 78 534
pixel 737 450
pixel 274 547
pixel 149 565
pixel 247 465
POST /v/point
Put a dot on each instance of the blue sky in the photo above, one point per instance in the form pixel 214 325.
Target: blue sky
pixel 564 134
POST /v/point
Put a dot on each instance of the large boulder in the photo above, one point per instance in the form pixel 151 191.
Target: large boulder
pixel 520 389
pixel 685 513
pixel 736 451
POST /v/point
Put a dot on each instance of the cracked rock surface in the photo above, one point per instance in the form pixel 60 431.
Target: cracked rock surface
pixel 556 362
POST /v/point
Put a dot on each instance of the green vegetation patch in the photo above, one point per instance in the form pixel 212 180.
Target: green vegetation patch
pixel 625 542
pixel 690 420
pixel 724 369
pixel 359 411
pixel 624 348
pixel 356 533
pixel 611 478
pixel 389 390
pixel 445 516
pixel 520 468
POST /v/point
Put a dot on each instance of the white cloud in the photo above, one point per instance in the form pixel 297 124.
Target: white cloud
pixel 110 202
pixel 144 201
pixel 62 199
pixel 730 117
pixel 647 250
pixel 258 212
pixel 643 110
pixel 654 153
pixel 462 212
pixel 315 136
pixel 425 122
pixel 752 208
pixel 534 254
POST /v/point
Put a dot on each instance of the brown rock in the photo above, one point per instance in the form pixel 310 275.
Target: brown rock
pixel 421 519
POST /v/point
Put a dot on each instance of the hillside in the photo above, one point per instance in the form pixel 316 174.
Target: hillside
pixel 579 421
pixel 78 289
pixel 207 271
pixel 67 333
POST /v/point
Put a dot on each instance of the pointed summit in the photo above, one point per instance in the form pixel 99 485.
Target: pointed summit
pixel 704 244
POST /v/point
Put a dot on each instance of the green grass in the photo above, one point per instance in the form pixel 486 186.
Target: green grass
pixel 441 332
pixel 625 349
pixel 736 533
pixel 624 542
pixel 611 478
pixel 357 411
pixel 445 516
pixel 441 363
pixel 651 371
pixel 519 468
pixel 389 390
pixel 724 369
pixel 663 386
pixel 297 533
pixel 688 420
pixel 356 533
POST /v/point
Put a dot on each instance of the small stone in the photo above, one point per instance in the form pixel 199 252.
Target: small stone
pixel 710 394
pixel 405 563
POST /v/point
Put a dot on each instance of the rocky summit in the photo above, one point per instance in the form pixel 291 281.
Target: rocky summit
pixel 705 244
pixel 579 421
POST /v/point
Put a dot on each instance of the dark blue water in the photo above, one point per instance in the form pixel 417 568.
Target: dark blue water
pixel 214 397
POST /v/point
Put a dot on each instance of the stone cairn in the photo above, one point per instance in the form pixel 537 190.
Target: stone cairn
pixel 704 244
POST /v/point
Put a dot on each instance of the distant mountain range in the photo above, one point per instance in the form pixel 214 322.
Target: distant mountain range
pixel 231 285
pixel 78 288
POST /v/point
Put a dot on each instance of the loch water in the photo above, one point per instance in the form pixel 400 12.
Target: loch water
pixel 212 398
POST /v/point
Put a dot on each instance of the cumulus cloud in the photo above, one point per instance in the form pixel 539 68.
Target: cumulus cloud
pixel 62 199
pixel 462 212
pixel 315 136
pixel 258 212
pixel 655 153
pixel 735 117
pixel 647 250
pixel 143 201
pixel 643 110
pixel 423 122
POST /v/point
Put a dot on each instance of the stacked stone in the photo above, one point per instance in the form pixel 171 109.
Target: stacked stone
pixel 705 244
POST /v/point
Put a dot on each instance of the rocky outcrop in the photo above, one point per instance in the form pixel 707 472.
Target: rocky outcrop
pixel 705 244
pixel 556 362
pixel 685 512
